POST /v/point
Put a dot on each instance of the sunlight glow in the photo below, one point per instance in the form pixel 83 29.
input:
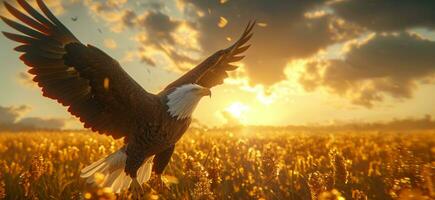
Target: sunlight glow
pixel 237 109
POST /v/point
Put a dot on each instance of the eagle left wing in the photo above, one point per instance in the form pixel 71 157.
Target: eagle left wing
pixel 213 70
pixel 93 85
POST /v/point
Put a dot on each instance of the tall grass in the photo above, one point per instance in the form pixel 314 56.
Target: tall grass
pixel 232 164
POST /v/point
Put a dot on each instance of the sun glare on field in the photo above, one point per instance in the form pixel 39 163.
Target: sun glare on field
pixel 237 109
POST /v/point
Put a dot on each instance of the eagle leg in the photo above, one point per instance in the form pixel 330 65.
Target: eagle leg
pixel 162 159
pixel 135 158
pixel 160 162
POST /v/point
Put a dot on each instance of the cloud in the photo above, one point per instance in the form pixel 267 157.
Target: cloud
pixel 388 15
pixel 110 43
pixel 39 123
pixel 176 37
pixel 112 12
pixel 163 40
pixel 11 120
pixel 390 65
pixel 291 32
pixel 25 79
pixel 56 6
pixel 9 115
pixel 128 18
pixel 165 36
pixel 159 27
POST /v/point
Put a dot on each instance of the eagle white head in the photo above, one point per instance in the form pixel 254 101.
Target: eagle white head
pixel 184 99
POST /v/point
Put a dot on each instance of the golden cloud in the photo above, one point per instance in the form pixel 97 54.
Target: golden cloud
pixel 110 43
pixel 55 6
pixel 374 68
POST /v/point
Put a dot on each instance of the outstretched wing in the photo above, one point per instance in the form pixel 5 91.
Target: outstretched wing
pixel 213 70
pixel 92 84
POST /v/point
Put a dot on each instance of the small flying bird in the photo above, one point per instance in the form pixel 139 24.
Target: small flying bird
pixel 97 90
pixel 74 19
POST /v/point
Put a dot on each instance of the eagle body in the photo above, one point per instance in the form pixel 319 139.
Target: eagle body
pixel 95 89
pixel 155 137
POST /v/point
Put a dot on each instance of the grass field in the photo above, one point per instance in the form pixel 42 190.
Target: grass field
pixel 262 163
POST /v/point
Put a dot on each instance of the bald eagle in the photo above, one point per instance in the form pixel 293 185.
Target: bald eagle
pixel 97 90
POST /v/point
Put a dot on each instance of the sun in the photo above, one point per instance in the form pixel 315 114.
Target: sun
pixel 237 109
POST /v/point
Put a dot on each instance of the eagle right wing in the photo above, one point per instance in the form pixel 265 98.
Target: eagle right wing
pixel 213 70
pixel 92 84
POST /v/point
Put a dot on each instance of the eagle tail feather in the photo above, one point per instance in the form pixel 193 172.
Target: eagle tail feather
pixel 91 169
pixel 112 168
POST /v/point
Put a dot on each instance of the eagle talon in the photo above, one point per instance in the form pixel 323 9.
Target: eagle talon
pixel 160 184
pixel 136 189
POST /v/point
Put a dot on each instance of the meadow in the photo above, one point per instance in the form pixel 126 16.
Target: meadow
pixel 238 163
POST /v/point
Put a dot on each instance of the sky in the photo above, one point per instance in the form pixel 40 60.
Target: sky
pixel 311 62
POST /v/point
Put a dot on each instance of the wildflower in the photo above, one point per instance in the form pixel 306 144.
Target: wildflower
pixel 77 196
pixel 202 189
pixel 2 188
pixel 338 164
pixel 316 184
pixel 359 195
pixel 24 181
pixel 200 177
pixel 331 195
pixel 214 172
pixel 37 167
pixel 429 177
pixel 270 167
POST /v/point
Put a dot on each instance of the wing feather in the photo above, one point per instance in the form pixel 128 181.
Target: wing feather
pixel 35 14
pixel 19 38
pixel 23 29
pixel 26 19
pixel 241 49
